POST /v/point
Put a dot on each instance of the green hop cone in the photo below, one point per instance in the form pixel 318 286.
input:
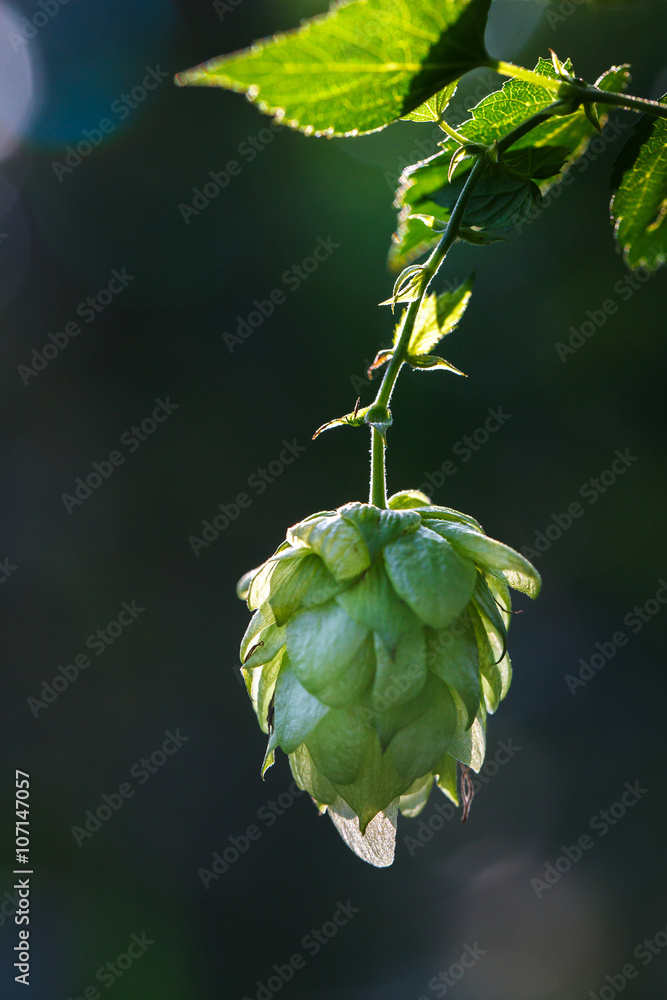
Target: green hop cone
pixel 377 646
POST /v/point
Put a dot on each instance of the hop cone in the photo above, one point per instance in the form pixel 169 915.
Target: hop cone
pixel 377 646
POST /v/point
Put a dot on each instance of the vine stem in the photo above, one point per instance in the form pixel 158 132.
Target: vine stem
pixel 565 88
pixel 378 493
pixel 643 104
pixel 378 490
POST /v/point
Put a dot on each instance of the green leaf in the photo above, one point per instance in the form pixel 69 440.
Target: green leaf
pixel 413 801
pixel 468 744
pixel 373 415
pixel 260 584
pixel 399 674
pixel 261 619
pixel 243 586
pixel 338 745
pixel 373 603
pixel 438 315
pixel 639 203
pixel 267 643
pixel 498 202
pixel 331 654
pixel 379 527
pixel 494 667
pixel 431 110
pixel 408 286
pixel 431 362
pixel 355 419
pixel 432 514
pixel 417 747
pixel 339 544
pixel 269 755
pixel 493 621
pixel 302 583
pixel 362 65
pixel 262 687
pixel 297 712
pixel 507 193
pixel 478 238
pixel 308 777
pixel 407 499
pixel 427 573
pixel 545 151
pixel 387 721
pixel 452 656
pixel 447 773
pixel 487 552
pixel 376 787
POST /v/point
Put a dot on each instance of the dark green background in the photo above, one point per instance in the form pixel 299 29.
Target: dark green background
pixel 175 667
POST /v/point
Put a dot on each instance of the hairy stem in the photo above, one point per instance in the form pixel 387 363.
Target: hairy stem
pixel 431 268
pixel 378 494
pixel 644 104
pixel 452 133
pixel 566 88
pixel 378 473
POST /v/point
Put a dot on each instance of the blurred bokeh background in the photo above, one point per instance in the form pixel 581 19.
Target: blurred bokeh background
pixel 100 156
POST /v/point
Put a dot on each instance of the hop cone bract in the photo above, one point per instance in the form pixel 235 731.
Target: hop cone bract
pixel 377 646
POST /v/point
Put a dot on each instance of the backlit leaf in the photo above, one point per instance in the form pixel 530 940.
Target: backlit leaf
pixel 362 65
pixel 639 204
pixel 504 197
